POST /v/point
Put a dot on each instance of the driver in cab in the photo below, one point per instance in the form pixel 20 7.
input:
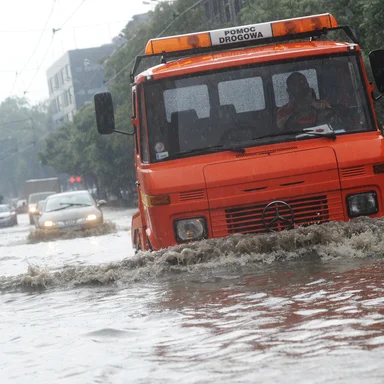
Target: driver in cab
pixel 303 110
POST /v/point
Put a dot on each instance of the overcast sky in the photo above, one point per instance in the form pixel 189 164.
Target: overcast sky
pixel 29 47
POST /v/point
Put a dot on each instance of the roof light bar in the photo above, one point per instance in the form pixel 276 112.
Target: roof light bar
pixel 227 36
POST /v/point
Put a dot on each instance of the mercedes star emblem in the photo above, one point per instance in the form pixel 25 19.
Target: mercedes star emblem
pixel 278 213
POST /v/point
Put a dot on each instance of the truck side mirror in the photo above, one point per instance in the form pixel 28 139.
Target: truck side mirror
pixel 376 59
pixel 105 117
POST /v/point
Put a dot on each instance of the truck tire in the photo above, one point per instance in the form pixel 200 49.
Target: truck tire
pixel 31 220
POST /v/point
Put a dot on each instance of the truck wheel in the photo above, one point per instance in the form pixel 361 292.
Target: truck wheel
pixel 31 220
pixel 136 244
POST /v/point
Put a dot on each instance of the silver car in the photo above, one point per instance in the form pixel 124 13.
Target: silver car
pixel 8 216
pixel 71 211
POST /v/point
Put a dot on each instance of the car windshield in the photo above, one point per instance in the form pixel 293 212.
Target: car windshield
pixel 254 105
pixel 68 200
pixel 36 197
pixel 4 208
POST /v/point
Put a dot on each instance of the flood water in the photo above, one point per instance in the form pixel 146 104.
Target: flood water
pixel 302 306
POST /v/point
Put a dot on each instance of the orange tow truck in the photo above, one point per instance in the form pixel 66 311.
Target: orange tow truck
pixel 253 129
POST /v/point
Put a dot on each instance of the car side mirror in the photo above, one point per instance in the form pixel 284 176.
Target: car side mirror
pixel 376 59
pixel 101 202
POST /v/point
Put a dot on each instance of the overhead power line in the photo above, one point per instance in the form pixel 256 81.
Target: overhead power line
pixel 23 31
pixel 41 36
pixel 54 30
pixel 39 66
pixel 34 50
pixel 72 14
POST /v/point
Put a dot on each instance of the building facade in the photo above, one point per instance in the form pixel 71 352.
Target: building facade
pixel 74 79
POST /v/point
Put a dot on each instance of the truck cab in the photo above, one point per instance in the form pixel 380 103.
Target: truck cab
pixel 224 145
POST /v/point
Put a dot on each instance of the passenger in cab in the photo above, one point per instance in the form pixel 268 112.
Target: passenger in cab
pixel 303 110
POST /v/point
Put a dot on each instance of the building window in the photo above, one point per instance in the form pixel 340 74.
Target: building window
pixel 50 85
pixel 58 103
pixel 65 99
pixel 56 79
pixel 54 107
pixel 67 74
pixel 70 98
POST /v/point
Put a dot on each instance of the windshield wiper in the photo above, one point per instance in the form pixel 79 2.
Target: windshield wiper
pixel 331 135
pixel 58 209
pixel 75 204
pixel 69 205
pixel 216 148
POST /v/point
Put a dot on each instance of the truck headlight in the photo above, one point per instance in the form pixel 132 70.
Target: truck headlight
pixel 191 229
pixel 362 204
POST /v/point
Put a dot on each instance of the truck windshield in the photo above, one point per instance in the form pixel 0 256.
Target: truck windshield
pixel 255 105
pixel 34 198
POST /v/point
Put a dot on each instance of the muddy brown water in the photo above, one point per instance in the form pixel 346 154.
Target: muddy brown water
pixel 303 306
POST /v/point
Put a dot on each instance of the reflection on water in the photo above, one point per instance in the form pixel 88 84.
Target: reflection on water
pixel 305 306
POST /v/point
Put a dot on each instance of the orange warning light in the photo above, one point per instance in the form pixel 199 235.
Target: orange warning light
pixel 303 24
pixel 241 34
pixel 178 43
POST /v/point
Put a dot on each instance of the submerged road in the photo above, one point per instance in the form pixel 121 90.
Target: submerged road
pixel 304 306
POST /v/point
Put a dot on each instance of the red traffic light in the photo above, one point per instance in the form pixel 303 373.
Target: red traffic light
pixel 76 179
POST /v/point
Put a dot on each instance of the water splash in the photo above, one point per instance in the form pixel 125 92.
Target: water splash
pixel 359 238
pixel 55 234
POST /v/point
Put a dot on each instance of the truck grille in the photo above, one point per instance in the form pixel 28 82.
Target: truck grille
pixel 248 218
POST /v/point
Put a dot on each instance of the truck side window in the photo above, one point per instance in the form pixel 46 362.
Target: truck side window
pixel 143 129
pixel 134 103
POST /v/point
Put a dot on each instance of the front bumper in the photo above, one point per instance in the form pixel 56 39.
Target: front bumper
pixel 73 225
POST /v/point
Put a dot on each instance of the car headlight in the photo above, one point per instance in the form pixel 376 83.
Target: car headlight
pixel 362 204
pixel 49 223
pixel 32 209
pixel 91 217
pixel 191 229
